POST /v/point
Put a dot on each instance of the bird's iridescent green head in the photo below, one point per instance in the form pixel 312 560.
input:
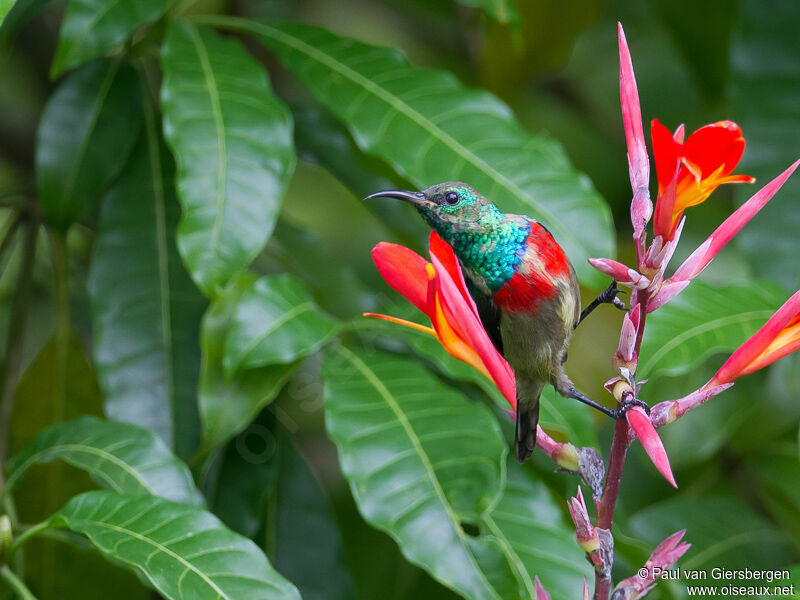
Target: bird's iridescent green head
pixel 450 208
pixel 488 243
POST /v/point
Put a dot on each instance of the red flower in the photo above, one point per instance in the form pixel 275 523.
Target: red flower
pixel 437 288
pixel 779 336
pixel 688 172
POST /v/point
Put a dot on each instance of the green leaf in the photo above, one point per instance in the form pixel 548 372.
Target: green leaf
pixel 232 140
pixel 422 462
pixel 503 11
pixel 430 128
pixel 53 389
pixel 300 512
pixel 227 405
pixel 183 551
pixel 774 471
pixel 702 321
pixel 723 532
pixel 706 50
pixel 87 130
pixel 564 418
pixel 276 321
pixel 146 310
pixel 324 140
pixel 14 14
pixel 92 27
pixel 120 456
pixel 536 537
pixel 765 71
pixel 5 8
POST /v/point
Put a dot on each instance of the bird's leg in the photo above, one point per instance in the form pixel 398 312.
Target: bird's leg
pixel 608 296
pixel 628 402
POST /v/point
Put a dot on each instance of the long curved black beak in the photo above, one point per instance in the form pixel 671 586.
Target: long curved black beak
pixel 415 198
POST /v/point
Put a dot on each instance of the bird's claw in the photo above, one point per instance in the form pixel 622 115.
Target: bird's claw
pixel 627 402
pixel 609 296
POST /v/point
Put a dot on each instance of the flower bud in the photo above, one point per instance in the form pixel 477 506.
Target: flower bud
pixel 585 533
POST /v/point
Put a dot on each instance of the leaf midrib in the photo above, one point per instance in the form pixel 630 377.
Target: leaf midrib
pixel 187 565
pixel 703 328
pixel 165 296
pixel 210 81
pixel 287 316
pixel 82 448
pixel 402 107
pixel 375 381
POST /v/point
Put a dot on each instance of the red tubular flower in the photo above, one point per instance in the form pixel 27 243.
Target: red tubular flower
pixel 779 336
pixel 701 257
pixel 438 289
pixel 688 172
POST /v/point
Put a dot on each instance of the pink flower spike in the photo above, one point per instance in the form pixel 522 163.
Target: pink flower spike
pixel 663 557
pixel 541 594
pixel 622 273
pixel 701 257
pixel 669 551
pixel 668 291
pixel 670 411
pixel 627 337
pixel 586 595
pixel 585 533
pixel 638 162
pixel 641 425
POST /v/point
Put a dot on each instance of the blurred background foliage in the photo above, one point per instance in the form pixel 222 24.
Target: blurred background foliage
pixel 555 64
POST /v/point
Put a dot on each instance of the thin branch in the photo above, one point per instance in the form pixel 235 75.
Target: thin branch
pixel 15 583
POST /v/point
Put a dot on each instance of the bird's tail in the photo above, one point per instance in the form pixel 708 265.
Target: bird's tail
pixel 527 419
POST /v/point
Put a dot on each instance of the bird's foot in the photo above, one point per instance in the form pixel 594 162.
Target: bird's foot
pixel 609 296
pixel 627 402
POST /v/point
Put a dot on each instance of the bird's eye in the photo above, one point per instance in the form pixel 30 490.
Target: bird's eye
pixel 451 198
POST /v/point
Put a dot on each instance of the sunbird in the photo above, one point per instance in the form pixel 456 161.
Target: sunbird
pixel 525 288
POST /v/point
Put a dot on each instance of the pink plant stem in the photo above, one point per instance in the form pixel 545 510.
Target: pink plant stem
pixel 616 462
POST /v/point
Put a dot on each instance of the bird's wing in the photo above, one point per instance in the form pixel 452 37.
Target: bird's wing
pixel 489 313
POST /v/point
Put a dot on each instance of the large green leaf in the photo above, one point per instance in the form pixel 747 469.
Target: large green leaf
pixel 563 418
pixel 183 551
pixel 228 404
pixel 431 128
pixel 536 538
pixel 14 14
pixel 53 389
pixel 764 75
pixel 87 130
pixel 5 8
pixel 120 456
pixel 723 532
pixel 264 489
pixel 232 140
pixel 502 10
pixel 704 320
pixel 276 322
pixel 422 463
pixel 92 27
pixel 145 308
